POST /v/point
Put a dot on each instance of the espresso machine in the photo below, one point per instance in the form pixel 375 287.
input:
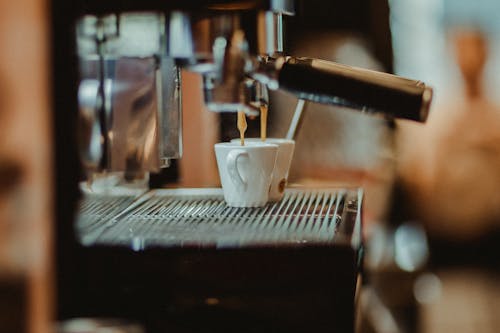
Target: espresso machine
pixel 180 260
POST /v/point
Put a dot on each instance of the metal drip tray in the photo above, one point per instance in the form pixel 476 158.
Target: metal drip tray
pixel 201 218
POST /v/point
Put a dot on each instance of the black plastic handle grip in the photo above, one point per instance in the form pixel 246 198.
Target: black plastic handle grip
pixel 365 90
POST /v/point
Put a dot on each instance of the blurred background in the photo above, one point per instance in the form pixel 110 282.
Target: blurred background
pixel 431 190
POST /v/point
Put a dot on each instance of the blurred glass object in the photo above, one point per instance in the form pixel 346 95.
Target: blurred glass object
pixel 427 288
pixel 411 248
pixel 402 248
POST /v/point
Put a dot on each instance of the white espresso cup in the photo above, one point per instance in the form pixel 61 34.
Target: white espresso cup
pixel 246 172
pixel 283 162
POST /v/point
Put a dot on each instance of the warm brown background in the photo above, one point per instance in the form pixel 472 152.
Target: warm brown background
pixel 25 205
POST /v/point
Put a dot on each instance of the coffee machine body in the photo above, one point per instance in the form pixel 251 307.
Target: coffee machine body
pixel 181 260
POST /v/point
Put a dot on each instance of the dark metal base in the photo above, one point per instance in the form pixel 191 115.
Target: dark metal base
pixel 258 287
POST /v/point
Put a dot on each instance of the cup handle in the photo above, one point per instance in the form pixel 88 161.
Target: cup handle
pixel 232 168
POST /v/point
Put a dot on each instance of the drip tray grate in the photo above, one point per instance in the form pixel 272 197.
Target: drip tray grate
pixel 200 217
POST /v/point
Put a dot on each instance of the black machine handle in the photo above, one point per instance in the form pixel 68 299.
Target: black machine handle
pixel 365 90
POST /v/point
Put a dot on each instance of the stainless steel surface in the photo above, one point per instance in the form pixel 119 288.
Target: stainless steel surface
pixel 131 34
pixel 255 93
pixel 129 96
pixel 209 39
pixel 223 53
pixel 96 211
pixel 134 129
pixel 170 111
pixel 180 39
pixel 89 130
pixel 200 217
pixel 279 32
pixel 224 87
pixel 93 34
pixel 270 33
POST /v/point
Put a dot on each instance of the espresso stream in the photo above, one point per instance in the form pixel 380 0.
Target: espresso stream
pixel 263 122
pixel 242 126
